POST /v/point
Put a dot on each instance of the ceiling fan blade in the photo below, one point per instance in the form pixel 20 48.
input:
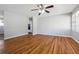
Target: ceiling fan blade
pixel 49 6
pixel 47 11
pixel 33 9
pixel 41 5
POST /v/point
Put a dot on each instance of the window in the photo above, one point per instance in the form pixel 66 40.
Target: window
pixel 75 22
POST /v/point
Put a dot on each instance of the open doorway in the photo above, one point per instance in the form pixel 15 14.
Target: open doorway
pixel 1 29
pixel 30 26
pixel 1 25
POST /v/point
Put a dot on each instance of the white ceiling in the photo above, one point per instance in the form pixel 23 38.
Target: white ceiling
pixel 26 9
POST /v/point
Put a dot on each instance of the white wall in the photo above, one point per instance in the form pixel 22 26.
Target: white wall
pixel 35 25
pixel 15 24
pixel 55 25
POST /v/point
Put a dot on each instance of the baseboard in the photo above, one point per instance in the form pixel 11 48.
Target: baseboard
pixel 14 36
pixel 57 35
pixel 75 39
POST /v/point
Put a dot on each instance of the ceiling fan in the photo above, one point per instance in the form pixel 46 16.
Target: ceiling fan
pixel 42 9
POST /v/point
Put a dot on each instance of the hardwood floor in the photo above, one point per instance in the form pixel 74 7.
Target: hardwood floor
pixel 41 44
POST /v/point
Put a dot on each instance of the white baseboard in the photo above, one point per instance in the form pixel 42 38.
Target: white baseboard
pixel 14 36
pixel 75 39
pixel 57 35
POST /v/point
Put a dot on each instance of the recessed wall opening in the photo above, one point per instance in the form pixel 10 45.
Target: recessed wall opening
pixel 1 25
pixel 30 26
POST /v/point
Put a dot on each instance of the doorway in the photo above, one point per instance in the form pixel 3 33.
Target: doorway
pixel 30 26
pixel 1 31
pixel 1 25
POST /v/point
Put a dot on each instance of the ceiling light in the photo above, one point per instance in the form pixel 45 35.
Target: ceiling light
pixel 43 11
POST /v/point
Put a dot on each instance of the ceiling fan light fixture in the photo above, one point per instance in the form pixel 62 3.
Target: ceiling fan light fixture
pixel 41 11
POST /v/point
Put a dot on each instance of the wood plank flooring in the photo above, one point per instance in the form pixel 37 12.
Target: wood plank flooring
pixel 41 44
